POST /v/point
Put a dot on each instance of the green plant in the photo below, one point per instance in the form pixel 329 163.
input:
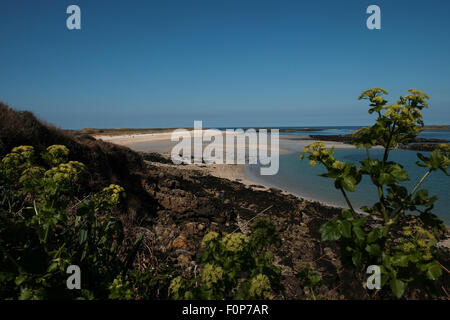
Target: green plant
pixel 234 266
pixel 363 244
pixel 310 279
pixel 44 228
pixel 152 283
pixel 120 290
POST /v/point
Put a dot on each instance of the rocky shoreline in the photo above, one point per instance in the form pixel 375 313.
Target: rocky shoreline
pixel 192 203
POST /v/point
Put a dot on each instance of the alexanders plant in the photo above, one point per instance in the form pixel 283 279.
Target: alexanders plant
pixel 234 266
pixel 47 223
pixel 411 259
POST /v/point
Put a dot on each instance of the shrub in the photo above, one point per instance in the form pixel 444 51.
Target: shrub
pixel 234 266
pixel 413 262
pixel 44 228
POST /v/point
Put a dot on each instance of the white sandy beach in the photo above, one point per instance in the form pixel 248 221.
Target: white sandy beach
pixel 162 143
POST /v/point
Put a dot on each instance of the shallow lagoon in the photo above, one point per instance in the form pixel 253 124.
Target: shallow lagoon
pixel 298 177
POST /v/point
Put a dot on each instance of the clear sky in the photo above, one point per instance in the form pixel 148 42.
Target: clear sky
pixel 226 62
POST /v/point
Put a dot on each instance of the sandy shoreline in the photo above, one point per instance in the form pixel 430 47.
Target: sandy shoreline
pixel 161 143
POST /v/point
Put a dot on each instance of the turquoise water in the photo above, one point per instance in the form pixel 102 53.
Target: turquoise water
pixel 298 177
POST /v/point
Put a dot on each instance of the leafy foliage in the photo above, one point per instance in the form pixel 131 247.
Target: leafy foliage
pixel 234 266
pixel 44 228
pixel 310 279
pixel 412 262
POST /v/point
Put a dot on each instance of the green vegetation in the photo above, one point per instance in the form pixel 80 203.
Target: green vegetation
pixel 50 219
pixel 310 280
pixel 406 256
pixel 44 228
pixel 48 222
pixel 234 266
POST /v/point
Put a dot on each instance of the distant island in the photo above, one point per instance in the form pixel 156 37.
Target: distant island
pixel 133 131
pixel 437 127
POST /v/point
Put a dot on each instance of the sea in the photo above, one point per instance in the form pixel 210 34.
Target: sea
pixel 296 176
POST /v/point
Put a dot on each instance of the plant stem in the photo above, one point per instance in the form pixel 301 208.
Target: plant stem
pixel 348 201
pixel 386 150
pixel 313 295
pixel 414 189
pixel 367 153
pixel 383 208
pixel 420 181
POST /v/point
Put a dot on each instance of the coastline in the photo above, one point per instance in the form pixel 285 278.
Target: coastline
pixel 174 206
pixel 161 143
pixel 237 174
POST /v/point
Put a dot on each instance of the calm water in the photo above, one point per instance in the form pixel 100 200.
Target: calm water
pixel 430 134
pixel 298 177
pixel 435 134
pixel 324 131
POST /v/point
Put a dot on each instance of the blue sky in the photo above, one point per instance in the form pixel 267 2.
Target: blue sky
pixel 228 63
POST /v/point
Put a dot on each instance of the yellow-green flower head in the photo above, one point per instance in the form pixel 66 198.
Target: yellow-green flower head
pixel 418 93
pixel 316 149
pixel 445 147
pixel 235 242
pixel 407 231
pixel 77 166
pixel 56 154
pixel 421 243
pixel 312 163
pixel 114 189
pixel 25 151
pixel 12 160
pixel 338 165
pixel 211 275
pixel 32 173
pixel 421 232
pixel 372 93
pixel 58 149
pixel 408 246
pixel 71 171
pixel 210 236
pixel 378 100
pixel 176 284
pixel 260 286
pixel 319 144
pixel 113 193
